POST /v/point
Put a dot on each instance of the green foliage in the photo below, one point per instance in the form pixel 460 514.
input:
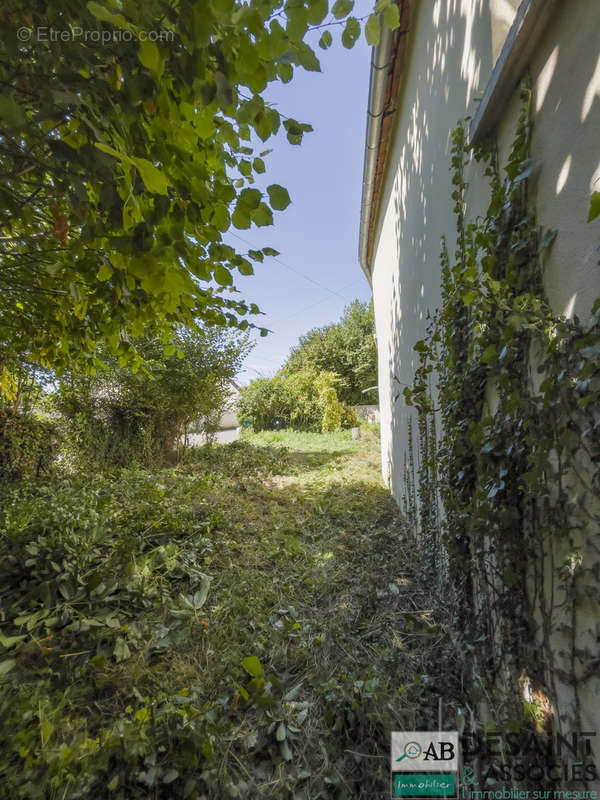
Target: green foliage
pixel 331 410
pixel 91 569
pixel 28 445
pixel 118 416
pixel 128 150
pixel 510 446
pixel 262 401
pixel 127 673
pixel 306 400
pixel 29 435
pixel 346 348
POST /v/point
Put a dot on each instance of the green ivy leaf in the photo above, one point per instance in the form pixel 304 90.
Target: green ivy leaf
pixel 373 30
pixel 391 17
pixel 278 197
pixel 594 206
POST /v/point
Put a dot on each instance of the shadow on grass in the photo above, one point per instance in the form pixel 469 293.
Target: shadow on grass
pixel 244 459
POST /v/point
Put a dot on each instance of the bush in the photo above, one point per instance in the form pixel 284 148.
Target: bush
pixel 121 417
pixel 28 445
pixel 306 400
pixel 349 418
pixel 263 400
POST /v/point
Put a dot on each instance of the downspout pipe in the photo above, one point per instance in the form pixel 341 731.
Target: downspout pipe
pixel 380 61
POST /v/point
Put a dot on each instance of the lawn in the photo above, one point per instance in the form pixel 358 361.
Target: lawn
pixel 249 624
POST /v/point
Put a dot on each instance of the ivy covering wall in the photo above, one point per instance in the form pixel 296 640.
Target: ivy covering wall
pixel 506 499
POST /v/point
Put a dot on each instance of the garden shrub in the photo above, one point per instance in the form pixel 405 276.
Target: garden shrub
pixel 307 401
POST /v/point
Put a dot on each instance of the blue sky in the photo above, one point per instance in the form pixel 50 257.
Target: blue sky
pixel 317 273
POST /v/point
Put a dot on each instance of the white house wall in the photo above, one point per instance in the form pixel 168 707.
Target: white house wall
pixel 450 58
pixel 448 63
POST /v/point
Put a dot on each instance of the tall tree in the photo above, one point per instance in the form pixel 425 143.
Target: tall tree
pixel 127 149
pixel 346 347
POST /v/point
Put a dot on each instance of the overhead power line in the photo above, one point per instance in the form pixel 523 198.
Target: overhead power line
pixel 296 271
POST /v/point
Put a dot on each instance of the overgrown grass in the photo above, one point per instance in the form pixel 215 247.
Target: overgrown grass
pixel 250 624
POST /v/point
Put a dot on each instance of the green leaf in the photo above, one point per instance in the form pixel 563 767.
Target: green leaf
pixel 10 641
pixel 270 251
pixel 286 753
pixel 241 689
pixel 341 8
pixel 241 217
pixel 202 593
pixel 594 206
pixel 373 30
pixel 250 198
pixel 222 276
pixel 46 728
pixel 220 218
pixel 7 665
pixel 11 112
pixel 224 90
pixel 278 197
pixel 263 215
pixel 548 238
pixel 351 32
pixel 252 666
pixel 245 268
pixel 326 40
pixel 104 273
pixel 102 13
pixel 285 72
pixel 280 733
pixel 489 354
pixel 149 56
pixel 317 11
pixel 154 180
pixel 391 17
pixel 258 165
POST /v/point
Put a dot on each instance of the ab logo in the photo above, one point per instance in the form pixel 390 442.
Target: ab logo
pixel 445 751
pixel 424 764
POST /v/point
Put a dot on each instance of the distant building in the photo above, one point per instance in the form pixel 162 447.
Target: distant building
pixel 228 417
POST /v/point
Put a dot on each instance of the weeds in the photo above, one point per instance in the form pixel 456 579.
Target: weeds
pixel 247 625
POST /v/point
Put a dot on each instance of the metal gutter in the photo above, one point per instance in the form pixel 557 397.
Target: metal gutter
pixel 380 62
